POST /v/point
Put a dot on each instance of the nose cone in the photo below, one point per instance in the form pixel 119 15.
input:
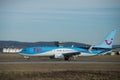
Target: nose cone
pixel 22 52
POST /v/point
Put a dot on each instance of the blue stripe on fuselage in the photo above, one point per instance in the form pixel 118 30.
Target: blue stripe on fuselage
pixel 40 50
pixel 96 51
pixel 36 50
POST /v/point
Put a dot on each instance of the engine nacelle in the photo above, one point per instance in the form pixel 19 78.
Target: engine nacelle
pixel 59 56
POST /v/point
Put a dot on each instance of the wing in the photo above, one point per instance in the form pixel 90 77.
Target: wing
pixel 71 54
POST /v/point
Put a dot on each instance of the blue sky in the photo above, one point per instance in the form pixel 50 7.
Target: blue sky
pixel 85 21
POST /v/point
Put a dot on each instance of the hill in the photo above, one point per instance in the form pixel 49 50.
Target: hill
pixel 18 44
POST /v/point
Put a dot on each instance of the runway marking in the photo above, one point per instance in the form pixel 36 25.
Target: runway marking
pixel 59 62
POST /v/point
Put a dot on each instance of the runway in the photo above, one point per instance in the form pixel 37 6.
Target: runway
pixel 55 62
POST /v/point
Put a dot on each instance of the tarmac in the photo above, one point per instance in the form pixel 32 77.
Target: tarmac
pixel 22 61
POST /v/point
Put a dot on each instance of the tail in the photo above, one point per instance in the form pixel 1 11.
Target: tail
pixel 108 41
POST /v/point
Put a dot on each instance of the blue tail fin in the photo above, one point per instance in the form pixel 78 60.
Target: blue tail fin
pixel 108 41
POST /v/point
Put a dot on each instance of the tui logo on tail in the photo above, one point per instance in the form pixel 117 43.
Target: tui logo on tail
pixel 109 43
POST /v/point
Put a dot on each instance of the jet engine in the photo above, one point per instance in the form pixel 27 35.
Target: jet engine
pixel 59 56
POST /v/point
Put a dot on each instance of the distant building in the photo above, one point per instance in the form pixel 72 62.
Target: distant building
pixel 113 53
pixel 11 50
pixel 1 50
pixel 116 51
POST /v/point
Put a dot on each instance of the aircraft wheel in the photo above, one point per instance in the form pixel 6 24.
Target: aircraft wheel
pixel 66 58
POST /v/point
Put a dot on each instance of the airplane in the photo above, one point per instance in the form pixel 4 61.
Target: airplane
pixel 67 52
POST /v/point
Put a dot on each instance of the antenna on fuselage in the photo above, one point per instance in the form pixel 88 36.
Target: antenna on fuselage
pixel 72 46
